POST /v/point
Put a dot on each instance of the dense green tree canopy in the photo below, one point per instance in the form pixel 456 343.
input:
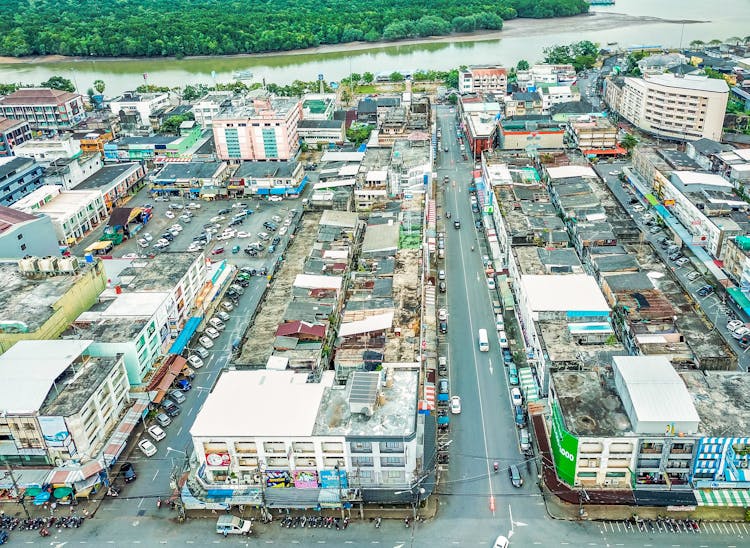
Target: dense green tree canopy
pixel 156 28
pixel 582 55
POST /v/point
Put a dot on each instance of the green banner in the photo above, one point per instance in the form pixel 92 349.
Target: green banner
pixel 564 448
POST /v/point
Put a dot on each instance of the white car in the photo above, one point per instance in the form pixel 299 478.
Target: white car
pixel 193 247
pixel 441 274
pixel 156 432
pixel 147 448
pixel 735 324
pixel 194 205
pixel 491 283
pixel 148 237
pixel 275 198
pixel 227 306
pixel 206 342
pixel 223 316
pixel 503 338
pixel 456 405
pixel 223 237
pixel 216 323
pixel 216 219
pixel 169 215
pixel 499 322
pixel 143 243
pixel 243 234
pixel 501 542
pixel 264 236
pixel 195 361
pixel 442 314
pixel 276 219
pixel 130 256
pixel 740 332
pixel 516 396
pixel 213 333
pixel 282 230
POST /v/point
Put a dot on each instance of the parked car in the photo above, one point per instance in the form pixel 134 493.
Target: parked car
pixel 735 324
pixel 163 420
pixel 491 283
pixel 211 332
pixel 503 339
pixel 441 274
pixel 516 396
pixel 693 276
pixel 740 332
pixel 227 306
pixel 195 361
pixel 264 236
pixel 705 291
pixel 201 351
pixel 156 432
pixel 216 323
pixel 177 396
pixel 442 314
pixel 682 261
pixel 455 405
pixel 442 287
pixel 524 440
pixel 147 448
pixel 520 416
pixel 443 386
pixel 206 342
pixel 443 326
pixel 217 251
pixel 170 407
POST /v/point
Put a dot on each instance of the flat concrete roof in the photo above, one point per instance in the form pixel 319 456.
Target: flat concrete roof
pixel 108 175
pixel 569 293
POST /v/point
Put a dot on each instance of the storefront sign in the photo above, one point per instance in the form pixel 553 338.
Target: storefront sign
pixel 306 479
pixel 564 448
pixel 218 459
pixel 333 479
pixel 278 479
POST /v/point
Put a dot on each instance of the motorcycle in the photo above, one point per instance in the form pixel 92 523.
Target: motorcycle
pixel 496 466
pixel 377 522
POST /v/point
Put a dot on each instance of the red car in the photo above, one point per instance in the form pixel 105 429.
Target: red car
pixel 218 251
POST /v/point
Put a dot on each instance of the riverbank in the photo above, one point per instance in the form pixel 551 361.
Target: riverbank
pixel 576 25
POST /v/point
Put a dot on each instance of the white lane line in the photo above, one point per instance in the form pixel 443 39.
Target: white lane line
pixel 178 431
pixel 155 474
pixel 141 502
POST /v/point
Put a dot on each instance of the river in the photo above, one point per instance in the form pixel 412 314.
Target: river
pixel 521 39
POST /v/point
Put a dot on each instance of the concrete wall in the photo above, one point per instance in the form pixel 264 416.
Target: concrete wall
pixel 36 238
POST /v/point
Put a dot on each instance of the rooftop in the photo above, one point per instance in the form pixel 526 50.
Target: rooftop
pixel 381 238
pixel 77 385
pixel 321 124
pixel 572 293
pixel 7 124
pixel 107 175
pixel 14 163
pixel 162 273
pixel 37 96
pixel 722 400
pixel 108 329
pixel 394 415
pixel 10 217
pixel 188 170
pixel 570 171
pixel 261 170
pixel 260 108
pixel 32 300
pixel 698 83
pixel 30 369
pixel 590 404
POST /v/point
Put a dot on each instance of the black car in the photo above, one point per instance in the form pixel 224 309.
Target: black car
pixel 705 291
pixel 167 236
pixel 263 271
pixel 442 287
pixel 443 386
pixel 443 326
pixel 270 226
pixel 478 223
pixel 223 211
pixel 456 224
pixel 170 408
pixel 251 252
pixel 276 240
pixel 127 471
pixel 243 283
pixel 515 476
pixel 236 222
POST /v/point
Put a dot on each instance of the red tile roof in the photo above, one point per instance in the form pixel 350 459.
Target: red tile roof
pixel 37 96
pixel 488 72
pixel 7 123
pixel 301 328
pixel 10 217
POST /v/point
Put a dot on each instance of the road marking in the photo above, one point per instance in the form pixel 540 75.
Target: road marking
pixel 178 431
pixel 190 411
pixel 141 502
pixel 155 474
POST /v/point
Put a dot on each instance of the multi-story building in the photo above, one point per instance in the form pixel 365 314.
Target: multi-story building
pixel 594 136
pixel 318 106
pixel 279 438
pixel 410 166
pixel 18 178
pixel 22 234
pixel 316 131
pixel 69 172
pixel 155 147
pixel 148 304
pixel 140 105
pixel 483 79
pixel 481 131
pixel 531 133
pixel 93 141
pixel 116 182
pixel 58 403
pixel 523 103
pixel 74 213
pixel 45 109
pixel 192 179
pixel 557 95
pixel 41 297
pixel 684 108
pixel 46 150
pixel 12 133
pixel 264 178
pixel 265 129
pixel 210 105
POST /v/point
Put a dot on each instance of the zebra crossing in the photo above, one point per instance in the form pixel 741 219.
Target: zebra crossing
pixel 654 528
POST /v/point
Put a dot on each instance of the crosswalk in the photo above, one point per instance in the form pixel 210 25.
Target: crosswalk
pixel 655 528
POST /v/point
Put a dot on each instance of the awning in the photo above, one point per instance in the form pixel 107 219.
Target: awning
pixel 68 475
pixel 119 438
pixel 187 333
pixel 604 151
pixel 62 492
pixel 740 298
pixel 723 497
pixel 175 365
pixel 98 246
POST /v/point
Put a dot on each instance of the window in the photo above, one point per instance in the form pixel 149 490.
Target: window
pixel 361 447
pixel 363 461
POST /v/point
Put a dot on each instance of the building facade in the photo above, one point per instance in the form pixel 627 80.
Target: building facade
pixel 45 151
pixel 12 133
pixel 489 79
pixel 140 105
pixel 43 108
pixel 18 178
pixel 22 235
pixel 265 129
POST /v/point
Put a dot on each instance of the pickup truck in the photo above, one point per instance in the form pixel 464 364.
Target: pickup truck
pixel 496 307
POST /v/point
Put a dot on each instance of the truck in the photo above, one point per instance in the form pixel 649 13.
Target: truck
pixel 232 525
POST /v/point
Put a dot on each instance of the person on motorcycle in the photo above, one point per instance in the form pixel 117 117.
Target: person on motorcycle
pixel 496 466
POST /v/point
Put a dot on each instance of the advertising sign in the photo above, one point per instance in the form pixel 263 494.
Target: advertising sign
pixel 54 431
pixel 333 479
pixel 306 479
pixel 218 459
pixel 278 479
pixel 564 448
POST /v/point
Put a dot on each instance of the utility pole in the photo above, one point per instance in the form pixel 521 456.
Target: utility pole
pixel 15 488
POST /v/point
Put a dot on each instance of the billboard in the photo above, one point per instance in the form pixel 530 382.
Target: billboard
pixel 218 459
pixel 54 431
pixel 306 479
pixel 333 479
pixel 564 448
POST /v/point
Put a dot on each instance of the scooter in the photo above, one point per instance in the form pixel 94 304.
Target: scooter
pixel 496 466
pixel 377 522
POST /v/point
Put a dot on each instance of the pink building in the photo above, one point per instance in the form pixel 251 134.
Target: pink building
pixel 265 129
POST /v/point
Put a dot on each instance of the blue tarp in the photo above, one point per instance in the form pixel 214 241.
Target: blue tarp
pixel 187 333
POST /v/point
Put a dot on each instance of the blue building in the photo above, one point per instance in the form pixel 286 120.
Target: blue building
pixel 18 178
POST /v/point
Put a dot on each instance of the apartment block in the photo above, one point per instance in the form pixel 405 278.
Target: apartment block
pixel 208 106
pixel 139 105
pixel 262 129
pixel 22 234
pixel 43 108
pixel 12 133
pixel 483 79
pixel 18 178
pixel 47 150
pixel 684 108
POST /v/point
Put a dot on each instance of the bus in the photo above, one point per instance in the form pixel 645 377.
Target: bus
pixel 484 343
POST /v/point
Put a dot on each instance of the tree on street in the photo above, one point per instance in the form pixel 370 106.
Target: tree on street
pixel 629 142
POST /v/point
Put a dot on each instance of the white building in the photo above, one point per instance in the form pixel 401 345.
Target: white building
pixel 210 105
pixel 556 95
pixel 68 173
pixel 677 107
pixel 141 104
pixel 56 402
pixel 45 151
pixel 308 444
pixel 73 212
pixel 483 79
pixel 316 131
pixel 149 302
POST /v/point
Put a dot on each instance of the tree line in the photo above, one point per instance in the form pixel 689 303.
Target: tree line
pixel 157 28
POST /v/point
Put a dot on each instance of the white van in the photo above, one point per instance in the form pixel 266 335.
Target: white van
pixel 484 342
pixel 503 339
pixel 232 525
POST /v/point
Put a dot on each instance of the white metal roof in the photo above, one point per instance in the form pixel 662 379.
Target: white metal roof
pixel 694 82
pixel 29 368
pixel 277 363
pixel 699 178
pixel 563 293
pixel 570 171
pixel 378 322
pixel 348 170
pixel 335 156
pixel 309 281
pixel 656 391
pixel 376 175
pixel 261 403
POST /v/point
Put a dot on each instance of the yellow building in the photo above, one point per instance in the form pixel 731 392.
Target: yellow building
pixel 40 298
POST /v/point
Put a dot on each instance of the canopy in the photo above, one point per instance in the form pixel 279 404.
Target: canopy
pixel 100 245
pixel 62 492
pixel 187 333
pixel 33 491
pixel 41 498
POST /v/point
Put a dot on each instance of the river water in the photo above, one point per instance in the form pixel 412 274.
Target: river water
pixel 724 19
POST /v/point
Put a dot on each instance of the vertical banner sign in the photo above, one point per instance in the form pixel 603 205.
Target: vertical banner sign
pixel 564 448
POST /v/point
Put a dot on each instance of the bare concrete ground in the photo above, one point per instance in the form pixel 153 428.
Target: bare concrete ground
pixel 259 340
pixel 407 303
